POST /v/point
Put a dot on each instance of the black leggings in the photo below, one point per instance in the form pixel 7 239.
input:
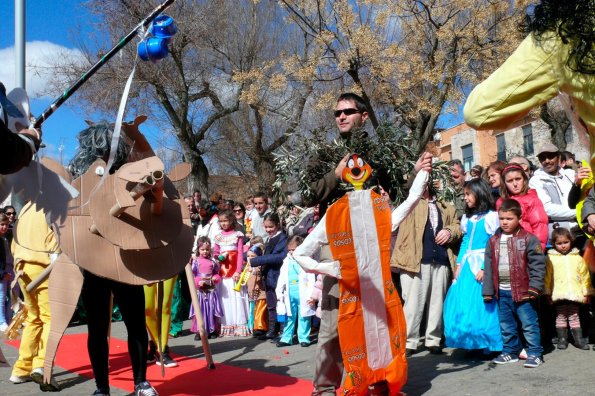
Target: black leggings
pixel 131 300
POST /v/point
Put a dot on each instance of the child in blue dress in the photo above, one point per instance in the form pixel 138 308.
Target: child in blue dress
pixel 294 289
pixel 469 323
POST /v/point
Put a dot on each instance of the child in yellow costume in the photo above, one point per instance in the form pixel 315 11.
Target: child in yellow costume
pixel 152 321
pixel 372 331
pixel 34 247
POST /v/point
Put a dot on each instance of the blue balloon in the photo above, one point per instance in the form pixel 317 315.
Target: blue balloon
pixel 163 26
pixel 153 48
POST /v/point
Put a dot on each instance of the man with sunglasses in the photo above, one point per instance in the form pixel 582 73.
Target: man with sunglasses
pixel 552 184
pixel 11 212
pixel 350 114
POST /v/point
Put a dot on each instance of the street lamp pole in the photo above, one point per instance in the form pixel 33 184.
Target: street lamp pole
pixel 19 42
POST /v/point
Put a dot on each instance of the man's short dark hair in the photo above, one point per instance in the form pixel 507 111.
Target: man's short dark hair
pixel 358 100
pixel 510 205
pixel 457 162
pixel 261 194
pixel 566 155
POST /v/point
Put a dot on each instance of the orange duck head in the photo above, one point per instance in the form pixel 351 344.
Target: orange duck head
pixel 357 171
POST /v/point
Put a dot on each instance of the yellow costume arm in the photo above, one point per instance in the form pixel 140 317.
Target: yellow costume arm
pixel 527 79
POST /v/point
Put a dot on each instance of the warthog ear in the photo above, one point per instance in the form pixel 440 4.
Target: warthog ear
pixel 139 120
pixel 180 172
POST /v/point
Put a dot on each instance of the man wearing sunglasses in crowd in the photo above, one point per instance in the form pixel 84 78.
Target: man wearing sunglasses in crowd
pixel 350 114
pixel 553 184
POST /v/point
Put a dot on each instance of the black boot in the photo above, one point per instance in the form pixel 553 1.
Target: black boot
pixel 579 341
pixel 273 330
pixel 562 337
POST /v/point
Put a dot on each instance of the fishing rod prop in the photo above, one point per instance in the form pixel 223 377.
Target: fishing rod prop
pixel 159 31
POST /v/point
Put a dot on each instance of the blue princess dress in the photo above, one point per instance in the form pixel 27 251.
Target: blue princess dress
pixel 469 322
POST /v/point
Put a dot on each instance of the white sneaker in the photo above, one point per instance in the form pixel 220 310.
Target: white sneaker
pixel 523 354
pixel 15 379
pixel 37 375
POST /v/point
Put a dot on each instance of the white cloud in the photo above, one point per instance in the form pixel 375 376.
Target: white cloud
pixel 41 60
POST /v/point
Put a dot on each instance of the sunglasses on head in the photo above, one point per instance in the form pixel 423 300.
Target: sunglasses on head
pixel 347 112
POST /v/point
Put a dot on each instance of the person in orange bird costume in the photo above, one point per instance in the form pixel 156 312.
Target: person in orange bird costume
pixel 356 229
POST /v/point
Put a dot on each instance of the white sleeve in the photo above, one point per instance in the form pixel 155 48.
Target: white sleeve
pixel 415 193
pixel 492 222
pixel 311 247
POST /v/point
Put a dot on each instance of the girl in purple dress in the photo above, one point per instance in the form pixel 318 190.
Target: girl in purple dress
pixel 206 277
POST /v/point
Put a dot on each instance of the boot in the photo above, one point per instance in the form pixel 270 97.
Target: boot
pixel 579 341
pixel 562 337
pixel 273 330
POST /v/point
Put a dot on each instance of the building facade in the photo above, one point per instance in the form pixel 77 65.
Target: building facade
pixel 475 147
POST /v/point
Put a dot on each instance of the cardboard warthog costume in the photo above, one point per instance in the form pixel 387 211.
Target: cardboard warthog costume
pixel 131 227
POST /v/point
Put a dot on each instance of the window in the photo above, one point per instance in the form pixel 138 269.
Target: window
pixel 501 144
pixel 568 134
pixel 528 140
pixel 467 156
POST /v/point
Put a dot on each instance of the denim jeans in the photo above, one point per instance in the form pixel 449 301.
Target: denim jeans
pixel 5 313
pixel 511 313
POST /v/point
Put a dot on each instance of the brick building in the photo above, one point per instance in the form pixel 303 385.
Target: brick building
pixel 475 147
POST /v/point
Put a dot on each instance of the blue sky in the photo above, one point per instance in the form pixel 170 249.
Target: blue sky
pixel 50 26
pixel 47 21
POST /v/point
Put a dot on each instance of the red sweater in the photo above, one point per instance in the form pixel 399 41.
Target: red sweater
pixel 533 218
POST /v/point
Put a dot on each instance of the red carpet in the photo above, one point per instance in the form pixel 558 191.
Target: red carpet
pixel 191 377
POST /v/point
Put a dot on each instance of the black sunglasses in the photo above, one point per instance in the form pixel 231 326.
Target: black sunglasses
pixel 347 112
pixel 546 155
pixel 10 213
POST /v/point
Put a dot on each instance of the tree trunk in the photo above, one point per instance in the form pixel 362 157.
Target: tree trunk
pixel 199 175
pixel 558 123
pixel 265 173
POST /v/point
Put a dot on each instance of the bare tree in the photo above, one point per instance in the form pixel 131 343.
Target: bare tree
pixel 555 117
pixel 410 57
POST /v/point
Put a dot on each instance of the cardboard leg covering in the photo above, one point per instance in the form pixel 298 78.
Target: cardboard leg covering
pixel 65 285
pixel 199 321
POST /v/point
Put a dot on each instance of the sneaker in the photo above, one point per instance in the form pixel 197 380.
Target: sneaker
pixel 167 360
pixel 100 392
pixel 435 350
pixel 144 389
pixel 152 353
pixel 523 354
pixel 16 379
pixel 505 358
pixel 533 361
pixel 37 375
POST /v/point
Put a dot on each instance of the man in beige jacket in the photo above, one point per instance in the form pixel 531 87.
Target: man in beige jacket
pixel 424 257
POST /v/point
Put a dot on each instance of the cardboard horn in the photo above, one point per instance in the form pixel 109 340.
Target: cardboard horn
pixel 157 204
pixel 152 181
pixel 199 321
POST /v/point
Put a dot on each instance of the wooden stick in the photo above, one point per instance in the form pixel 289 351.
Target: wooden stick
pixel 199 320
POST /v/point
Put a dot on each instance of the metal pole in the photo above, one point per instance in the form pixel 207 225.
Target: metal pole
pixel 19 42
pixel 123 41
